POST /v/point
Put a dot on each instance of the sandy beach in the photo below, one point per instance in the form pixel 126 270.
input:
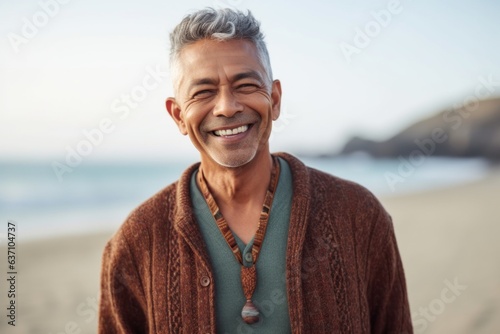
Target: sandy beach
pixel 448 238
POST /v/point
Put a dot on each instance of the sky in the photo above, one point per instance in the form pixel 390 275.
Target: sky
pixel 91 77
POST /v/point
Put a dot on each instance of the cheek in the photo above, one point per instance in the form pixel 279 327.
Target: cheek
pixel 193 120
pixel 261 103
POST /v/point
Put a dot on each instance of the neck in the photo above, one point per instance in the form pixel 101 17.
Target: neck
pixel 246 184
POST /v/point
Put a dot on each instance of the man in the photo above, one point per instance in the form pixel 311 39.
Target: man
pixel 246 241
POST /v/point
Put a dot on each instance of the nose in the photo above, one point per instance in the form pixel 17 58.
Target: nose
pixel 227 104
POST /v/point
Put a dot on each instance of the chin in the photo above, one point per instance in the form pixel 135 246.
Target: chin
pixel 233 160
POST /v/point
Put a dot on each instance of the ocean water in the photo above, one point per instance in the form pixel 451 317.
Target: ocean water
pixel 100 196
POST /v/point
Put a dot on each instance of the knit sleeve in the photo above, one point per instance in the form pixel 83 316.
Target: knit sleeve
pixel 122 303
pixel 387 294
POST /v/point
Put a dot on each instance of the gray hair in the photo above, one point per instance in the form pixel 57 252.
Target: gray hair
pixel 222 25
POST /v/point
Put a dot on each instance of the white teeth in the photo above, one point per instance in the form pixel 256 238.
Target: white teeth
pixel 230 132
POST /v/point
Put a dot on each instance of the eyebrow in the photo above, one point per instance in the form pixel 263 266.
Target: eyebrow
pixel 201 82
pixel 240 76
pixel 249 74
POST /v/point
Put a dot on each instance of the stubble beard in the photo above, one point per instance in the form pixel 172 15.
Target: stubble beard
pixel 233 160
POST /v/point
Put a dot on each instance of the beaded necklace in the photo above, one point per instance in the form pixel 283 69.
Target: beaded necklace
pixel 249 313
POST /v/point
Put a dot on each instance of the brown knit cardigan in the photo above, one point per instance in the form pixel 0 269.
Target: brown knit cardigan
pixel 343 268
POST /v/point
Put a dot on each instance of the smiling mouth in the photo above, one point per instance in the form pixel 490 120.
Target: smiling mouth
pixel 231 132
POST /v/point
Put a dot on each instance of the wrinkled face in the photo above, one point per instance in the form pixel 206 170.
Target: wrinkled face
pixel 224 102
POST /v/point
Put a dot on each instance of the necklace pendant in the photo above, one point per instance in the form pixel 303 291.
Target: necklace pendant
pixel 250 313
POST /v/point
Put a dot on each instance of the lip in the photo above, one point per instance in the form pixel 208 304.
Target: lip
pixel 232 127
pixel 232 138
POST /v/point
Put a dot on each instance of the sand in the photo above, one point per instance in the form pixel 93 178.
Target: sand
pixel 452 235
pixel 58 283
pixel 448 239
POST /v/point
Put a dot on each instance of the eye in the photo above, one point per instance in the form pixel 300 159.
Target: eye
pixel 247 87
pixel 205 93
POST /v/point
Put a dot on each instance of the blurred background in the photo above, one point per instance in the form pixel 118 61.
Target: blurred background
pixel 400 96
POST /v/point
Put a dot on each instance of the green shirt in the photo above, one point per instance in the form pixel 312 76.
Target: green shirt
pixel 270 294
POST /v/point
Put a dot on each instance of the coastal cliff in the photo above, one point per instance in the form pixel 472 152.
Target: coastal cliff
pixel 469 130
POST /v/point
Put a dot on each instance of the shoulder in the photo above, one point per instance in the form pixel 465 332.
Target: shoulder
pixel 156 208
pixel 158 213
pixel 320 185
pixel 334 201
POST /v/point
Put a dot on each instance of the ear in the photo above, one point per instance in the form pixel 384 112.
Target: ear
pixel 276 99
pixel 175 112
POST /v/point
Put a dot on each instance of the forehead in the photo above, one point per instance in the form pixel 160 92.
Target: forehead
pixel 219 60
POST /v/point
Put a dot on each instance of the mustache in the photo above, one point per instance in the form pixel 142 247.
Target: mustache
pixel 238 119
